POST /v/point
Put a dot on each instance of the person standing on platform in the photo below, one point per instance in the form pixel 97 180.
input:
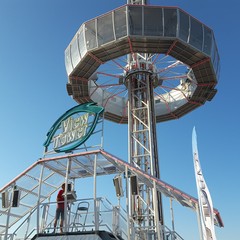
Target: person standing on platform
pixel 60 209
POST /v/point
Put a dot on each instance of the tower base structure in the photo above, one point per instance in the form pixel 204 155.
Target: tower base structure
pixel 37 185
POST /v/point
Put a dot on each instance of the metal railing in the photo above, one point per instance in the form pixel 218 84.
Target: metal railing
pixel 171 235
pixel 99 215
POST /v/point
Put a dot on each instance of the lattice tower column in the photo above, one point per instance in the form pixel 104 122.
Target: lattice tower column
pixel 143 144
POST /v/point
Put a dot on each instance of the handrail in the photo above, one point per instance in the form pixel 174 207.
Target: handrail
pixel 174 235
pixel 26 219
pixel 118 228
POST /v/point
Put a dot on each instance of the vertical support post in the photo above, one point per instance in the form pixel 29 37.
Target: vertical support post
pixel 156 212
pixel 96 201
pixel 44 212
pixel 102 137
pixel 153 149
pixel 116 220
pixel 129 198
pixel 39 194
pixel 129 226
pixel 8 214
pixel 66 224
pixel 28 224
pixel 172 216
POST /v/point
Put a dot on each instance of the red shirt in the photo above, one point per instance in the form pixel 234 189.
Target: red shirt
pixel 60 199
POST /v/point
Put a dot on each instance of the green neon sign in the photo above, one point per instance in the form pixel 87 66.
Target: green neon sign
pixel 73 128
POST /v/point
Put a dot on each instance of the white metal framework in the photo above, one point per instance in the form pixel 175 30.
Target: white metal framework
pixel 35 212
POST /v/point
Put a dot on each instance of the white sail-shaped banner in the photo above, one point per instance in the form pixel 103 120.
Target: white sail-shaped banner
pixel 204 198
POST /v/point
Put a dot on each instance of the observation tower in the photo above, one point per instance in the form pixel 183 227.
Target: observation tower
pixel 138 65
pixel 144 64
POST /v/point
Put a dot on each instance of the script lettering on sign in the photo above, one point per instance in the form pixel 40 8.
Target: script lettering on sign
pixel 73 129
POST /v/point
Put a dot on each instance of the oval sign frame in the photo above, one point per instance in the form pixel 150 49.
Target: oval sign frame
pixel 91 108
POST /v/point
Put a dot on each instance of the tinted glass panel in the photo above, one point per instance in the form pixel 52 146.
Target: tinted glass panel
pixel 153 21
pixel 217 65
pixel 135 20
pixel 213 53
pixel 90 35
pixel 184 26
pixel 207 44
pixel 105 29
pixel 170 22
pixel 81 42
pixel 215 58
pixel 196 34
pixel 68 63
pixel 75 52
pixel 120 22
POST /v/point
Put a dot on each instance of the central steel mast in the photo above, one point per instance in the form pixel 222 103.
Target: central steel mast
pixel 146 203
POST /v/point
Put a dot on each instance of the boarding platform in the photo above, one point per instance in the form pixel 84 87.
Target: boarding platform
pixel 31 215
pixel 87 235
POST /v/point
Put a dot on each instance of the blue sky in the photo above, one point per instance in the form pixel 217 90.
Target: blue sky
pixel 34 35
